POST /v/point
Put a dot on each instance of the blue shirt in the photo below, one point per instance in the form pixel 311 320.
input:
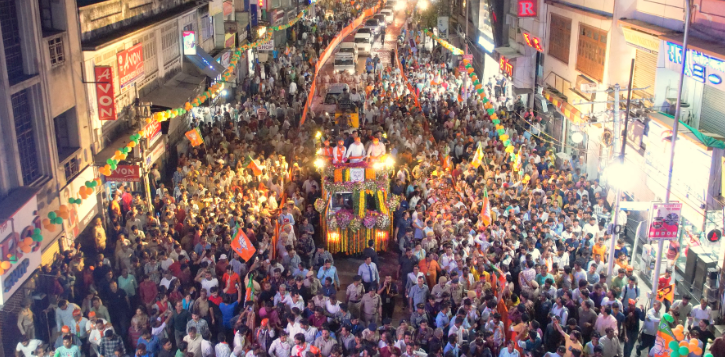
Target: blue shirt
pixel 152 345
pixel 442 320
pixel 228 313
pixel 331 273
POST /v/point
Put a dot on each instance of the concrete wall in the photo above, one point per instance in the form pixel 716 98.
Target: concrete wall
pixel 108 16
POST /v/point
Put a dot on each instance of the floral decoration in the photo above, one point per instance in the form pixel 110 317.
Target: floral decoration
pixel 369 220
pixel 320 205
pixel 355 225
pixel 344 217
pixel 382 222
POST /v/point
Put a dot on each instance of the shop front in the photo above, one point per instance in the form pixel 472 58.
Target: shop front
pixel 566 126
pixel 703 93
pixel 696 181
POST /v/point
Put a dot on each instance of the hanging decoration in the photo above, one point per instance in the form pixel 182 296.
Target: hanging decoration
pixel 447 45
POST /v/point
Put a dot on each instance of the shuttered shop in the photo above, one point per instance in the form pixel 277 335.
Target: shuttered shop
pixel 645 67
pixel 713 107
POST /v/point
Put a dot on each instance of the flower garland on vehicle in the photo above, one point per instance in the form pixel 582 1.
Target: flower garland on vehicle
pixel 344 217
pixel 335 187
pixel 320 205
pixel 382 222
pixel 369 220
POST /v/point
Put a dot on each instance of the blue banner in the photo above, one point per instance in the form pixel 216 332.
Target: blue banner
pixel 253 13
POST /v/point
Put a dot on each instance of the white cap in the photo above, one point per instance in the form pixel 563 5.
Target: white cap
pixel 223 256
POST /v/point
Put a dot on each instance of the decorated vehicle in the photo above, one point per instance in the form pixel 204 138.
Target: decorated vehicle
pixel 355 206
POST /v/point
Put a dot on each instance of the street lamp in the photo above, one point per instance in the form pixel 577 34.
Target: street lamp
pixel 617 175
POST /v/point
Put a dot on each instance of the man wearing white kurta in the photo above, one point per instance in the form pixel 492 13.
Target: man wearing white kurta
pixel 356 152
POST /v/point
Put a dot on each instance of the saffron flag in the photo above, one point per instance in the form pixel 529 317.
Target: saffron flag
pixel 194 137
pixel 663 339
pixel 666 293
pixel 242 245
pixel 486 209
pixel 477 158
pixel 252 164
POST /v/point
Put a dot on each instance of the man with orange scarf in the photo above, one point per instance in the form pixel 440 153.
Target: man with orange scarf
pixel 431 269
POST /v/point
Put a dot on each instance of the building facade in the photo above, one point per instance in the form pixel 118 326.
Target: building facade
pixel 46 147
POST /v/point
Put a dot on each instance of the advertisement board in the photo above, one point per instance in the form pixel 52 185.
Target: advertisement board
pixel 22 255
pixel 125 173
pixel 189 40
pixel 130 65
pixel 152 131
pixel 267 46
pixel 230 40
pixel 443 27
pixel 79 216
pixel 105 95
pixel 700 66
pixel 664 220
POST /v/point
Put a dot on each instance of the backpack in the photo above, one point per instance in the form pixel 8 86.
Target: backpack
pixel 624 291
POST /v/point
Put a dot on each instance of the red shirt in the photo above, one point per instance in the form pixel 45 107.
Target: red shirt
pixel 663 282
pixel 148 292
pixel 216 300
pixel 231 281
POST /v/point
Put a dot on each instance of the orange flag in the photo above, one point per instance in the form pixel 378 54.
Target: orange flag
pixel 242 245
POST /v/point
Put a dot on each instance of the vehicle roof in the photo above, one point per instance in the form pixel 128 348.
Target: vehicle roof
pixel 348 44
pixel 344 55
pixel 337 87
pixel 362 34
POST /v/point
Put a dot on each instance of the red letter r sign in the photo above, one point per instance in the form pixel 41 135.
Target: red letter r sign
pixel 527 8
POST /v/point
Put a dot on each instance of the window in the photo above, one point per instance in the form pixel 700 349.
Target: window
pixel 71 168
pixel 170 45
pixel 207 27
pixel 591 51
pixel 55 47
pixel 25 134
pixel 11 39
pixel 46 15
pixel 559 38
pixel 150 64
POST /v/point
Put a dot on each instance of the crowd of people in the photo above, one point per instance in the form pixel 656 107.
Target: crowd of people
pixel 504 258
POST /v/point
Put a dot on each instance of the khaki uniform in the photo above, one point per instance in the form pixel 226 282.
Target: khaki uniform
pixel 457 294
pixel 355 295
pixel 438 291
pixel 370 306
pixel 25 323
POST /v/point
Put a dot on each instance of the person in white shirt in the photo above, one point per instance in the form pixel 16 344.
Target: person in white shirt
pixel 209 282
pixel 700 312
pixel 167 279
pixel 64 314
pixel 356 151
pixel 376 150
pixel 281 347
pixel 28 346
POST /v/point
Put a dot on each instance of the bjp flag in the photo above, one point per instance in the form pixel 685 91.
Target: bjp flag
pixel 486 209
pixel 194 137
pixel 662 342
pixel 242 245
pixel 666 293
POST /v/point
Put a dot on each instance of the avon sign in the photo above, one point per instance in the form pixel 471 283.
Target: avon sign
pixel 104 93
pixel 130 65
pixel 700 66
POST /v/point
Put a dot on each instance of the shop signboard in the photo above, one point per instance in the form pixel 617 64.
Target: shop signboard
pixel 230 40
pixel 130 65
pixel 528 8
pixel 215 7
pixel 267 46
pixel 641 40
pixel 125 173
pixel 189 40
pixel 664 220
pixel 533 42
pixel 152 131
pixel 254 17
pixel 228 7
pixel 700 66
pixel 79 215
pixel 105 96
pixel 20 257
pixel 506 67
pixel 156 153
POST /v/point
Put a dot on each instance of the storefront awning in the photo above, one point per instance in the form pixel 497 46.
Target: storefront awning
pixel 508 52
pixel 177 91
pixel 206 63
pixel 110 149
pixel 566 109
